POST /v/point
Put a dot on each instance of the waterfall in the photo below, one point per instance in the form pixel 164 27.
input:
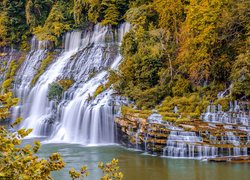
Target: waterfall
pixel 235 115
pixel 91 122
pixel 25 75
pixel 77 118
pixel 185 144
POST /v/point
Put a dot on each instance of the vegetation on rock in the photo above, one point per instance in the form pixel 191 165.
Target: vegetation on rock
pixel 44 64
pixel 55 91
pixel 11 72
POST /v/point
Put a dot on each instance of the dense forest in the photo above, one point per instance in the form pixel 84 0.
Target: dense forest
pixel 176 48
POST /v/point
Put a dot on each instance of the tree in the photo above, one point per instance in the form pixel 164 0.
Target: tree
pixel 112 14
pixel 241 76
pixel 171 15
pixel 20 162
pixel 55 24
pixel 80 11
pixel 198 37
pixel 3 29
pixel 37 11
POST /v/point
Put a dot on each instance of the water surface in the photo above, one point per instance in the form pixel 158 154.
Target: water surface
pixel 138 166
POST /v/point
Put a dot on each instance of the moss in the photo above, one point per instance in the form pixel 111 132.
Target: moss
pixel 135 112
pixel 99 90
pixel 6 84
pixel 11 71
pixel 65 83
pixel 170 119
pixel 189 107
pixel 45 63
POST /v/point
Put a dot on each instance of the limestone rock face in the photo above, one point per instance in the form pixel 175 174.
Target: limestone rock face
pixel 190 139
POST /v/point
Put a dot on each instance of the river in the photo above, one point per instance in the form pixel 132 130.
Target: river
pixel 139 166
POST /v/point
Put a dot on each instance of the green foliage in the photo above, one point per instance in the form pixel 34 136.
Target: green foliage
pixel 36 12
pixel 55 91
pixel 179 47
pixel 3 29
pixel 55 24
pixel 57 88
pixel 224 102
pixel 189 107
pixel 44 64
pixel 80 11
pixel 111 15
pixel 141 15
pixel 241 76
pixel 135 112
pixel 143 60
pixel 174 48
pixel 181 86
pixel 12 22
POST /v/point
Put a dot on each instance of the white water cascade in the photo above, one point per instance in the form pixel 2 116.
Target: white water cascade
pixel 185 144
pixel 78 118
pixel 235 115
pixel 26 73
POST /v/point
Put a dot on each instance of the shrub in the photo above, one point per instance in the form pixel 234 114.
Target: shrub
pixel 55 91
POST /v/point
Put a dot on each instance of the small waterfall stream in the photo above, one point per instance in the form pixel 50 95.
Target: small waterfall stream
pixel 76 119
pixel 234 116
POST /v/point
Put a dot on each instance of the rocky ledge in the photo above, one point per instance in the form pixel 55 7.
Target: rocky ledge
pixel 187 139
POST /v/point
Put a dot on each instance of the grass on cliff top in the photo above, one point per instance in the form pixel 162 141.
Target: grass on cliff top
pixel 139 113
pixel 189 108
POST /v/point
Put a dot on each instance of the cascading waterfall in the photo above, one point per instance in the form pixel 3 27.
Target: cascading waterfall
pixel 78 118
pixel 185 144
pixel 25 75
pixel 39 108
pixel 234 116
pixel 91 122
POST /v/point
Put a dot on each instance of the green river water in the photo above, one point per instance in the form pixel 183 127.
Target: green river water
pixel 140 166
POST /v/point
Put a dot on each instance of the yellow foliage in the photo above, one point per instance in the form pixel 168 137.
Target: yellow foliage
pixel 66 83
pixel 3 29
pixel 54 25
pixel 45 63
